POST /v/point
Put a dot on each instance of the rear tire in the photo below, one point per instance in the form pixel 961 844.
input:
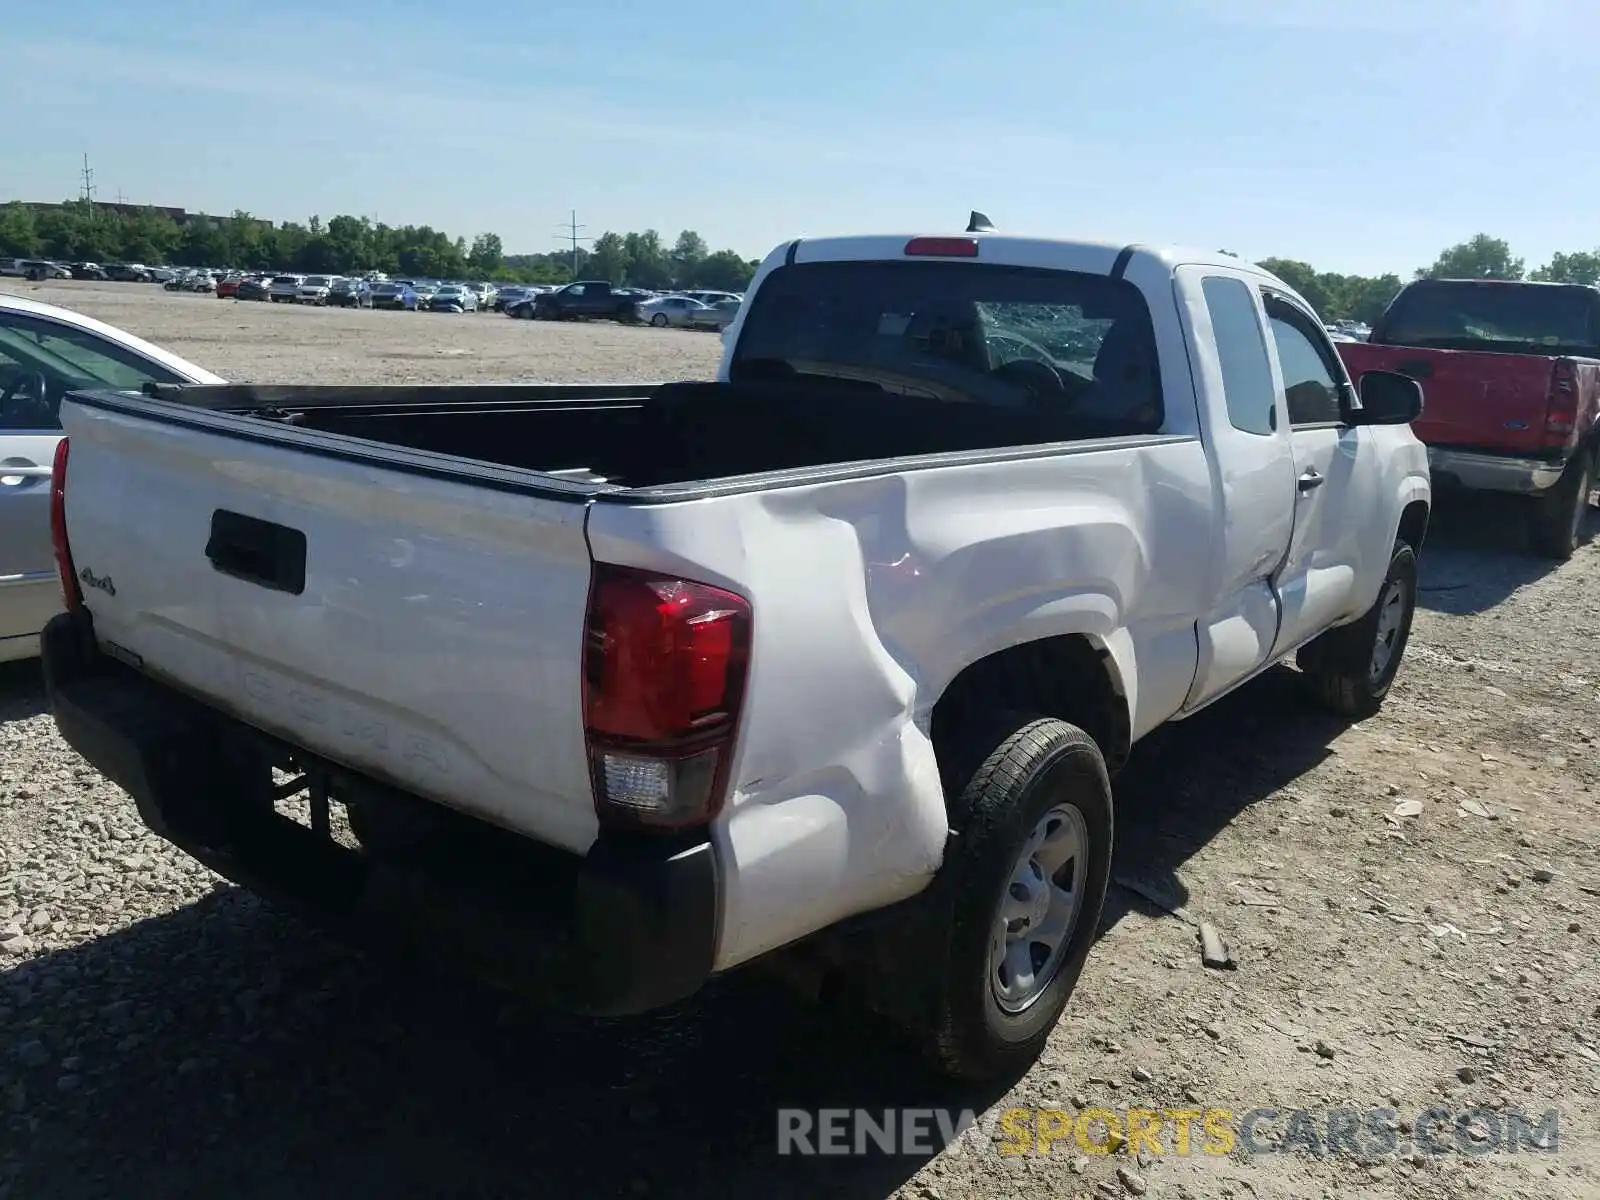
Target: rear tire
pixel 659 320
pixel 1559 522
pixel 1352 668
pixel 1038 791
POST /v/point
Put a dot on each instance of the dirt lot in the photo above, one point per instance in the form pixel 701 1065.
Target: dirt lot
pixel 254 342
pixel 164 1034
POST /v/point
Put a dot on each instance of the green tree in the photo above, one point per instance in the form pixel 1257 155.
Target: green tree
pixel 1366 298
pixel 648 265
pixel 1482 257
pixel 610 260
pixel 1581 266
pixel 688 252
pixel 19 231
pixel 1303 278
pixel 725 271
pixel 487 256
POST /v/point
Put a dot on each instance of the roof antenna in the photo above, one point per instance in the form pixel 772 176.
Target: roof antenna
pixel 978 223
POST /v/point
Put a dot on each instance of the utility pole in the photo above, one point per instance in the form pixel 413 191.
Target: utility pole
pixel 570 233
pixel 88 179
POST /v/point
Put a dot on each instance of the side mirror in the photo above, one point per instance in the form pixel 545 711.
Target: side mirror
pixel 1387 398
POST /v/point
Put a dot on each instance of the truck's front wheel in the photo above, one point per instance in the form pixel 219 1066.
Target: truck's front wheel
pixel 1353 667
pixel 1026 880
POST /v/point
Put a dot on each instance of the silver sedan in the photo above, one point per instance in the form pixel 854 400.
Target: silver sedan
pixel 46 352
pixel 669 310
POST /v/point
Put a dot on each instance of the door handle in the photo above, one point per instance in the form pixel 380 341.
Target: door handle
pixel 17 471
pixel 1311 480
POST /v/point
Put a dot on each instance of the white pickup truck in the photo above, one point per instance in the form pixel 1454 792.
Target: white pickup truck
pixel 836 652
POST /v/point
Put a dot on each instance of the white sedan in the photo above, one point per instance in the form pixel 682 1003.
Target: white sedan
pixel 46 352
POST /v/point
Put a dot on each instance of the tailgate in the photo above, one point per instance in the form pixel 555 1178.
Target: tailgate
pixel 1471 398
pixel 435 642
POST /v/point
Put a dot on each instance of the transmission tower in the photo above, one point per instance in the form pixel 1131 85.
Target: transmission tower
pixel 88 179
pixel 570 232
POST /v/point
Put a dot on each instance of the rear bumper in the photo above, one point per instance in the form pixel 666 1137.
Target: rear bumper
pixel 626 928
pixel 1493 472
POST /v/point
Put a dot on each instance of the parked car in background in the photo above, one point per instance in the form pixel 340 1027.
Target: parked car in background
pixel 395 293
pixel 200 281
pixel 716 316
pixel 484 292
pixel 453 297
pixel 228 286
pixel 285 289
pixel 349 293
pixel 161 275
pixel 668 310
pixel 129 272
pixel 89 270
pixel 517 303
pixel 509 294
pixel 46 351
pixel 425 288
pixel 1511 371
pixel 314 289
pixel 713 297
pixel 253 287
pixel 587 298
pixel 39 269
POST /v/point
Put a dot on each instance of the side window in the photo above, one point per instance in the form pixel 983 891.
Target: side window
pixel 40 361
pixel 575 290
pixel 1310 380
pixel 1242 351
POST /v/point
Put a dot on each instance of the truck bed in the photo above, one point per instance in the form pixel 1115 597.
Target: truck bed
pixel 645 437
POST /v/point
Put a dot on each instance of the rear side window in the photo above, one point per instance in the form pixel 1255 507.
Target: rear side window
pixel 1077 349
pixel 1242 351
pixel 1522 318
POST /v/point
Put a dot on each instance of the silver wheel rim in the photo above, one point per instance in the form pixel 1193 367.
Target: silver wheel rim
pixel 1391 609
pixel 1039 909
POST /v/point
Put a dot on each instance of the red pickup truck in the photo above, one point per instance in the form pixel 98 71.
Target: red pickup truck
pixel 1511 376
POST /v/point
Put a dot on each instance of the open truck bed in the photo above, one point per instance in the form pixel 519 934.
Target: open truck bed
pixel 648 440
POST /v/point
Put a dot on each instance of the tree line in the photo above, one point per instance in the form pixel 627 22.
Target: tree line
pixel 81 231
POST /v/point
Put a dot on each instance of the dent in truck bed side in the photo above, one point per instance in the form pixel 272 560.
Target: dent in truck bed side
pixel 870 596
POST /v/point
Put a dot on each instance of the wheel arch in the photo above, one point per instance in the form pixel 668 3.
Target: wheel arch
pixel 1075 677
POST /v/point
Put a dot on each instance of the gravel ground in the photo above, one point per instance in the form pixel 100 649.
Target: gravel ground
pixel 253 342
pixel 162 1033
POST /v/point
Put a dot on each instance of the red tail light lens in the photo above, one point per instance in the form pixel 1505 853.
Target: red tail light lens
pixel 943 247
pixel 71 593
pixel 1561 413
pixel 665 662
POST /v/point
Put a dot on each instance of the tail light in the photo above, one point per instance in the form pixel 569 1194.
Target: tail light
pixel 665 662
pixel 1561 412
pixel 70 592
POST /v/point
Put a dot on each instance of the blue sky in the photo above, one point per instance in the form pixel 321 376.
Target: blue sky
pixel 1360 135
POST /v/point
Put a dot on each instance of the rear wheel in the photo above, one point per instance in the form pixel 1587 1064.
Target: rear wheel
pixel 1353 667
pixel 659 320
pixel 1025 880
pixel 1559 523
